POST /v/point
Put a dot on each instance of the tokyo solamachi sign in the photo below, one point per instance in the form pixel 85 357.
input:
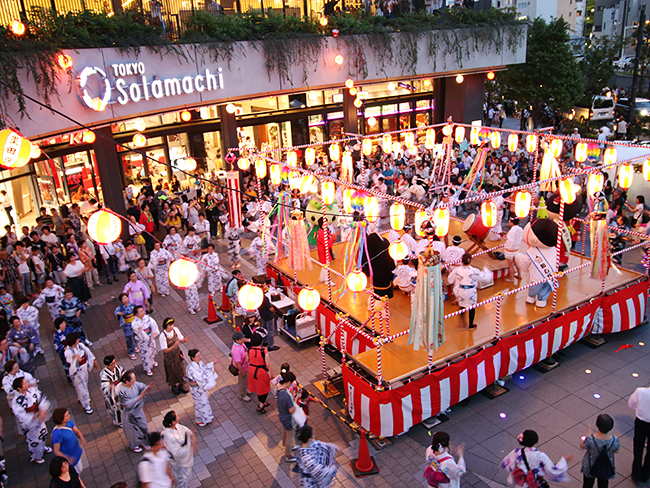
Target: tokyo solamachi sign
pixel 129 83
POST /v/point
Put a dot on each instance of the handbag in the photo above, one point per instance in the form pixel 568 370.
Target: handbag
pixel 434 474
pixel 233 370
pixel 298 416
pixel 139 240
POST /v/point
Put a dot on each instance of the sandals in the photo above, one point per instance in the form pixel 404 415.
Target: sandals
pixel 267 404
pixel 261 409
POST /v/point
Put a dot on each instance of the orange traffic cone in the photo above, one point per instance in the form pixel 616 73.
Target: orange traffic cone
pixel 225 301
pixel 365 464
pixel 212 312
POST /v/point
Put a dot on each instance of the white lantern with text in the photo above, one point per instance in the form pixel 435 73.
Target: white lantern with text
pixel 104 227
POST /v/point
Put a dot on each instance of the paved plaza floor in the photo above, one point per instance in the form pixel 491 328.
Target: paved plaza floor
pixel 242 448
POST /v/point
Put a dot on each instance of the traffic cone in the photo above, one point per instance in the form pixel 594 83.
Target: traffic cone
pixel 212 312
pixel 225 301
pixel 365 464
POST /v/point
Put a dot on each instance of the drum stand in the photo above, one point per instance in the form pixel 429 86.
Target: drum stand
pixel 479 244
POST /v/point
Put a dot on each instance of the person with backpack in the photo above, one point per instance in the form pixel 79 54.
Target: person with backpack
pixel 598 461
pixel 529 468
pixel 442 470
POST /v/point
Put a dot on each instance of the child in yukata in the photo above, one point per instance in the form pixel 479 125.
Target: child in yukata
pixel 465 282
pixel 124 313
pixel 234 245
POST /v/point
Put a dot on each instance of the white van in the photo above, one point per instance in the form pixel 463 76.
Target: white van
pixel 602 108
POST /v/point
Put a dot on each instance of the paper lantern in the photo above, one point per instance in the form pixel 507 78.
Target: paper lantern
pixel 183 273
pixel 398 250
pixel 646 169
pixel 250 297
pixel 489 213
pixel 595 183
pixel 522 203
pixel 230 108
pixel 349 83
pixel 391 86
pixel 292 159
pixel 367 147
pixel 610 156
pixel 397 216
pixel 324 21
pixel 495 139
pixel 104 227
pixel 139 140
pixel 190 164
pixel 460 79
pixel 347 200
pixel 338 60
pixel 372 121
pixel 17 28
pixel 397 147
pixel 310 156
pixel 490 75
pixel 549 169
pixel 65 61
pixel 89 137
pixel 446 130
pixel 420 217
pixel 186 116
pixel 387 143
pixel 356 281
pixel 531 143
pixel 276 174
pixel 625 176
pixel 567 191
pixel 581 152
pixel 430 139
pixel 460 134
pixel 328 192
pixel 16 150
pixel 441 219
pixel 347 171
pixel 35 151
pixel 556 148
pixel 260 168
pixel 139 124
pixel 371 206
pixel 243 164
pixel 474 136
pixel 335 152
pixel 294 180
pixel 308 299
pixel 513 142
pixel 306 183
pixel 409 140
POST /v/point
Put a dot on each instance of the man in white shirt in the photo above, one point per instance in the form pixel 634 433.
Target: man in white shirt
pixel 640 403
pixel 155 470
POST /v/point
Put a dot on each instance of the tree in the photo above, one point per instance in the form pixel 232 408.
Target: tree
pixel 550 75
pixel 596 65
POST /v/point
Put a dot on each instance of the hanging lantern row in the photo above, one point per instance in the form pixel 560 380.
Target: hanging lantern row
pixel 16 150
pixel 371 207
pixel 610 155
pixel 260 168
pixel 581 152
pixel 513 142
pixel 531 143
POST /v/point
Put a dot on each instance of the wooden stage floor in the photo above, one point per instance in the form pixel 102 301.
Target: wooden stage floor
pixel 400 361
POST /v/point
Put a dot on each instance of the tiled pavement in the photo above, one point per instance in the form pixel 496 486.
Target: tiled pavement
pixel 242 448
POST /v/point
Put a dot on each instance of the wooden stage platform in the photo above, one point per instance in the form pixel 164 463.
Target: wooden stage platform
pixel 400 361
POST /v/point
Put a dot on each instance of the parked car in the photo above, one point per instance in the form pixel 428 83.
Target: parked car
pixel 642 108
pixel 601 108
pixel 626 62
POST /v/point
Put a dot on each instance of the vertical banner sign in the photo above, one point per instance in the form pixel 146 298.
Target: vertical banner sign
pixel 234 199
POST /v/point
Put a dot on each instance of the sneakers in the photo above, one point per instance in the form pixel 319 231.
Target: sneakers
pixel 291 459
pixel 155 364
pixel 540 303
pixel 192 312
pixel 87 342
pixel 89 410
pixel 246 398
pixel 39 461
pixel 133 356
pixel 530 299
pixel 137 449
pixel 149 373
pixel 274 348
pixel 48 449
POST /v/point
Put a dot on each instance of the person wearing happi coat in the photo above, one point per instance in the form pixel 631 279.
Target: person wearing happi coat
pixel 378 266
pixel 109 378
pixel 81 361
pixel 202 377
pixel 31 408
pixel 160 259
pixel 146 332
pixel 130 394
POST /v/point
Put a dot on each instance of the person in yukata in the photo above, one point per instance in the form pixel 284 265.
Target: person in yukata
pixel 52 294
pixel 124 313
pixel 202 377
pixel 465 282
pixel 22 343
pixel 160 260
pixel 28 314
pixel 81 361
pixel 233 234
pixel 31 408
pixel 146 333
pixel 130 394
pixel 60 334
pixel 71 308
pixel 137 291
pixel 213 270
pixel 109 378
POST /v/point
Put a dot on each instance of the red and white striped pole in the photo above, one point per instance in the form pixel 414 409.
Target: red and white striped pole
pixel 584 235
pixel 497 324
pixel 326 234
pixel 323 341
pixel 557 254
pixel 387 312
pixel 380 375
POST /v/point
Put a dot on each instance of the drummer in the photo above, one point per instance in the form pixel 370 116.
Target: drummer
pixel 454 254
pixel 465 282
